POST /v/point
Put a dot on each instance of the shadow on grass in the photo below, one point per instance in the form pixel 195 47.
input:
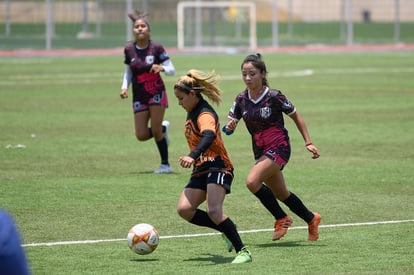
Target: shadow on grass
pixel 144 260
pixel 286 244
pixel 213 259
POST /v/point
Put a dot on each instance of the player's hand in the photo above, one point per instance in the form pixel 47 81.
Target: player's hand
pixel 186 161
pixel 156 68
pixel 229 127
pixel 312 148
pixel 124 93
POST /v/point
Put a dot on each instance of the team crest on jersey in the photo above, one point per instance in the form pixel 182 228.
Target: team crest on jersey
pixel 149 59
pixel 265 112
pixel 287 105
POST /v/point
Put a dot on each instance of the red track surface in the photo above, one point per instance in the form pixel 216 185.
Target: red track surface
pixel 287 49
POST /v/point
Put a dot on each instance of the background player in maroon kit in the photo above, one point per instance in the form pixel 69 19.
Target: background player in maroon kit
pixel 262 110
pixel 212 172
pixel 144 61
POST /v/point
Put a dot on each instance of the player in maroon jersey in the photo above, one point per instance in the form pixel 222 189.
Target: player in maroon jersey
pixel 144 61
pixel 262 110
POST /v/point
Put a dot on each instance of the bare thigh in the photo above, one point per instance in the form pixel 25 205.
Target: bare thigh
pixel 188 202
pixel 141 125
pixel 267 171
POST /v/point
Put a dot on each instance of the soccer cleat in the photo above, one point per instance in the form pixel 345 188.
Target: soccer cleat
pixel 228 243
pixel 163 169
pixel 166 124
pixel 243 256
pixel 313 227
pixel 281 227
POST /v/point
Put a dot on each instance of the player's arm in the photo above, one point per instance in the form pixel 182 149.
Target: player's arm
pixel 207 138
pixel 234 116
pixel 126 81
pixel 168 67
pixel 301 125
pixel 206 124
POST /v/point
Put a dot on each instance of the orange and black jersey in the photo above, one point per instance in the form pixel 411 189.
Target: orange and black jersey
pixel 202 131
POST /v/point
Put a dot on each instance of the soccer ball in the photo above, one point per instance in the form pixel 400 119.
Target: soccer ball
pixel 143 238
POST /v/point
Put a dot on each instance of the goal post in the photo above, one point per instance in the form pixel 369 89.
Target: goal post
pixel 232 13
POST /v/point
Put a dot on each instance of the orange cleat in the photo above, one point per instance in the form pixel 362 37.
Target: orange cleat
pixel 281 227
pixel 313 227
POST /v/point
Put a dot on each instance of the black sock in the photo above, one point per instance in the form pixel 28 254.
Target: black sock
pixel 268 199
pixel 201 218
pixel 229 229
pixel 163 149
pixel 297 207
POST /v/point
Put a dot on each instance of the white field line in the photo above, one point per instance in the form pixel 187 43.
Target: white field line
pixel 215 233
pixel 86 78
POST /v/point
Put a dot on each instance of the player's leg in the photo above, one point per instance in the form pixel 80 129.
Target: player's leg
pixel 278 185
pixel 262 171
pixel 189 201
pixel 279 189
pixel 157 116
pixel 187 208
pixel 142 132
pixel 215 199
pixel 220 184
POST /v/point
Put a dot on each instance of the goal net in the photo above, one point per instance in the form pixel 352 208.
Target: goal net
pixel 216 25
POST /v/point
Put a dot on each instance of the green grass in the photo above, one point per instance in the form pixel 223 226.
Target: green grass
pixel 83 175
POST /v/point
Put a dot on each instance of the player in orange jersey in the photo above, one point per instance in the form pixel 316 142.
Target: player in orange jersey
pixel 212 172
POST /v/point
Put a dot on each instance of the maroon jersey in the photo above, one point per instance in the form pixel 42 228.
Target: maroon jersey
pixel 145 84
pixel 264 121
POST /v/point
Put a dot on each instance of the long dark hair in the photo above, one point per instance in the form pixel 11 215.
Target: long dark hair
pixel 258 63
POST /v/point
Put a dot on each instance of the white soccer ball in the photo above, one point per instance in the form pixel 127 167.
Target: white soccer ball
pixel 143 238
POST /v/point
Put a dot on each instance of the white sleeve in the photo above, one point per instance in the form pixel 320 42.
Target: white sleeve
pixel 168 66
pixel 127 78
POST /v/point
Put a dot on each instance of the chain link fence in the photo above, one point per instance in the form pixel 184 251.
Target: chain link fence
pixel 83 24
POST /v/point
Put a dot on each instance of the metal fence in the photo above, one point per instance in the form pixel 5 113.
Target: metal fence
pixel 75 24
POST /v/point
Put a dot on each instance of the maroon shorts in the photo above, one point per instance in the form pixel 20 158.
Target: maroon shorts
pixel 280 154
pixel 157 99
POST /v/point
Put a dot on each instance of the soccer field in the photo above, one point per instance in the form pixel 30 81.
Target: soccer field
pixel 76 180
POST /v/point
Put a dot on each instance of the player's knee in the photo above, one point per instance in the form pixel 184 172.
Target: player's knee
pixel 158 135
pixel 215 213
pixel 141 136
pixel 252 185
pixel 185 213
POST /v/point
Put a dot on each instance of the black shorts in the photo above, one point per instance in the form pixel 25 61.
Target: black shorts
pixel 223 179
